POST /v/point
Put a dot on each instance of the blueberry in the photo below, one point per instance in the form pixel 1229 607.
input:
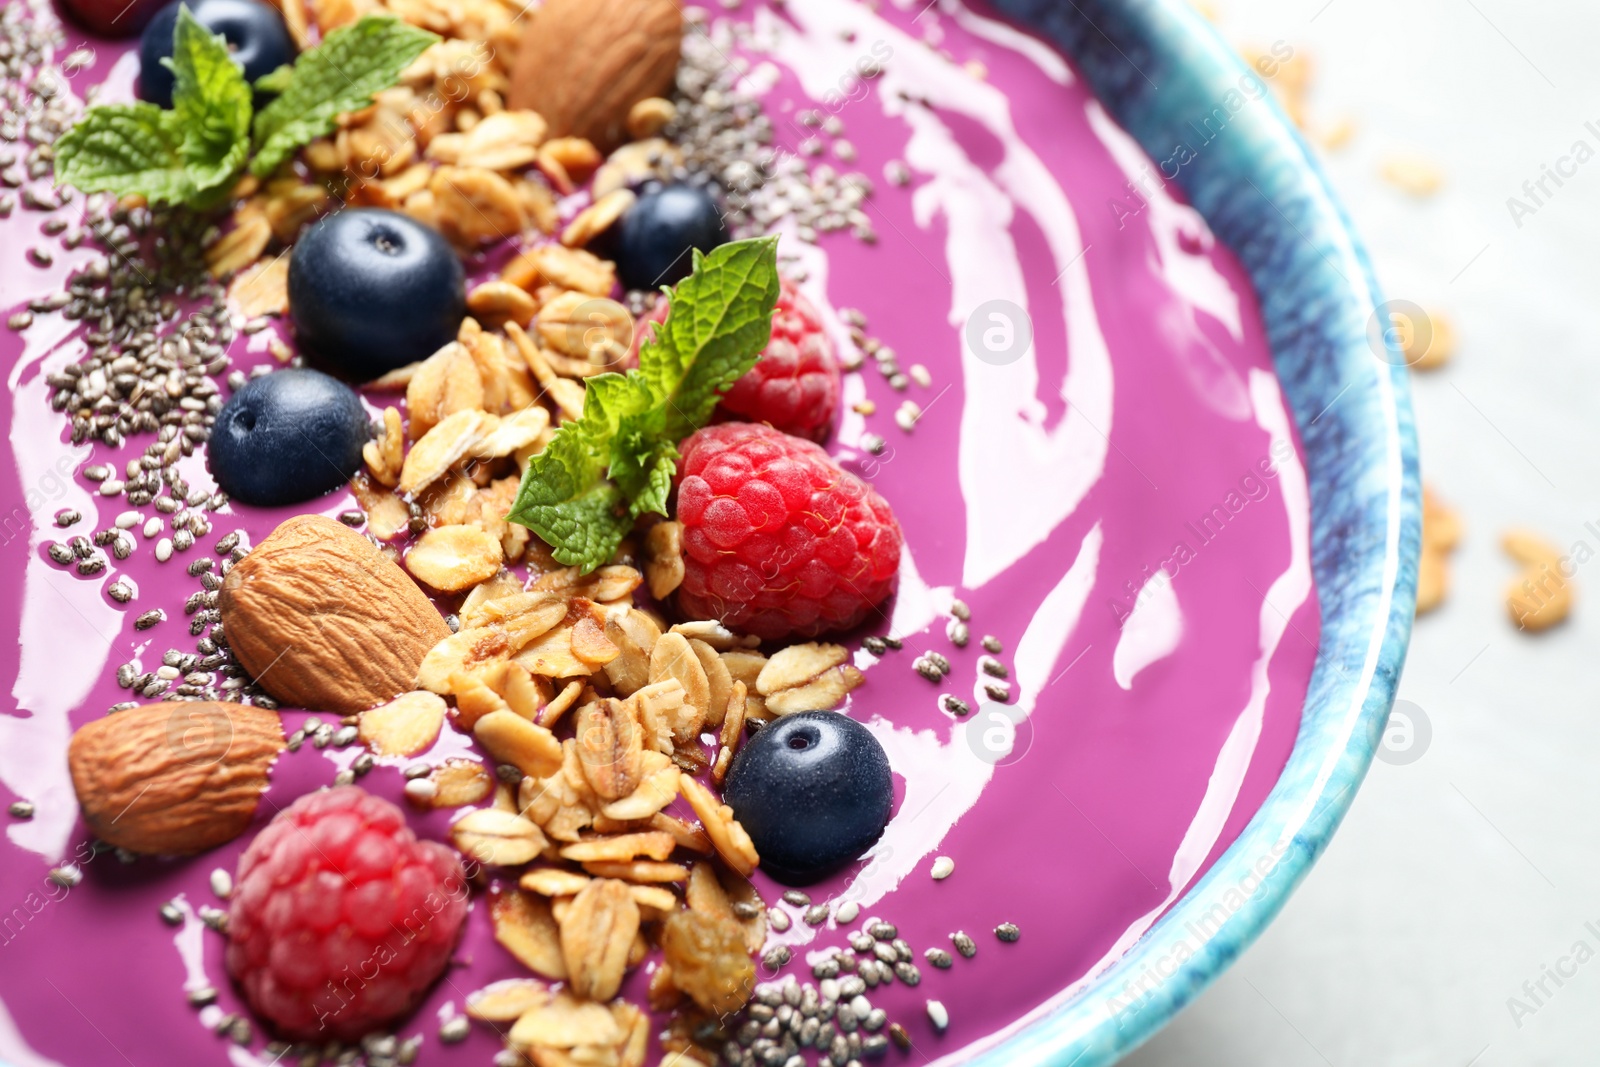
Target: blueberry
pixel 813 791
pixel 371 290
pixel 287 437
pixel 652 241
pixel 254 31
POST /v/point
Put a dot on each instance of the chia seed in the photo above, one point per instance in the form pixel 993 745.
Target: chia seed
pixel 958 633
pixel 993 667
pixel 875 645
pixel 1007 932
pixel 21 809
pixel 999 692
pixel 816 915
pixel 964 945
pixel 939 958
pixel 796 897
pixel 171 915
pixel 202 997
pixel 68 517
pixel 455 1030
pixel 847 912
pixel 778 920
pixel 991 643
pixel 925 666
pixel 149 619
pixel 954 705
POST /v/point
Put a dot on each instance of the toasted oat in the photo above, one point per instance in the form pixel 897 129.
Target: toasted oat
pixel 661 707
pixel 507 1000
pixel 613 582
pixel 475 698
pixel 562 267
pixel 1541 596
pixel 510 738
pixel 732 732
pixel 240 246
pixel 719 681
pixel 442 446
pixel 553 882
pixel 822 693
pixel 1441 533
pixel 718 637
pixel 476 648
pixel 497 838
pixel 1432 348
pixel 453 558
pixel 688 836
pixel 525 928
pixel 385 454
pixel 597 934
pixel 649 117
pixel 495 303
pixel 405 726
pixel 577 156
pixel 387 515
pixel 551 655
pixel 798 664
pixel 609 745
pixel 566 1022
pixel 445 383
pixel 558 705
pixel 262 288
pixel 594 330
pixel 506 140
pixel 664 568
pixel 634 634
pixel 634 162
pixel 459 782
pixel 727 836
pixel 515 431
pixel 1412 174
pixel 673 658
pixel 708 960
pixel 744 665
pixel 657 788
pixel 647 871
pixel 475 206
pixel 598 217
pixel 620 848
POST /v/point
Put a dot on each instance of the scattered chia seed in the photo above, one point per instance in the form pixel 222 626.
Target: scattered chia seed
pixel 1007 932
pixel 882 931
pixel 939 958
pixel 959 609
pixel 66 876
pixel 816 915
pixel 68 517
pixel 421 790
pixel 202 997
pixel 938 1016
pixel 964 945
pixel 120 591
pixel 21 809
pixel 363 764
pixel 874 644
pixel 954 705
pixel 21 320
pixel 796 897
pixel 939 661
pixel 900 1037
pixel 345 777
pixel 455 1030
pixel 149 619
pixel 925 667
pixel 345 736
pixel 215 918
pixel 907 973
pixel 993 667
pixel 778 919
pixel 847 912
pixel 999 692
pixel 873 443
pixel 920 375
pixel 943 867
pixel 991 643
pixel 221 884
pixel 171 915
pixel 776 957
pixel 354 518
pixel 958 633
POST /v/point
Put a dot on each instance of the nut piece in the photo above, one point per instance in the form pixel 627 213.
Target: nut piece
pixel 324 621
pixel 650 116
pixel 408 724
pixel 596 935
pixel 173 778
pixel 453 558
pixel 583 64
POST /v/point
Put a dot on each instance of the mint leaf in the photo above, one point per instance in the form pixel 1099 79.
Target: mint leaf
pixel 341 74
pixel 210 104
pixel 720 320
pixel 123 149
pixel 616 463
pixel 275 82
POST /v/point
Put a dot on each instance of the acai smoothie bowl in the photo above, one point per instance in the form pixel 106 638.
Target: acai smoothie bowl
pixel 618 532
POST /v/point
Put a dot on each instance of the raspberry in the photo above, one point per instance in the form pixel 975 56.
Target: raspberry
pixel 794 387
pixel 341 919
pixel 778 541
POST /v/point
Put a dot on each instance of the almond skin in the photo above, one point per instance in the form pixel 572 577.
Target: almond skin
pixel 173 778
pixel 324 621
pixel 583 64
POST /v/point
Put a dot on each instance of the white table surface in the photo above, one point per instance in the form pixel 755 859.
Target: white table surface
pixel 1459 877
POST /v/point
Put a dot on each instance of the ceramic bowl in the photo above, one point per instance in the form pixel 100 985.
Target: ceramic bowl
pixel 1162 71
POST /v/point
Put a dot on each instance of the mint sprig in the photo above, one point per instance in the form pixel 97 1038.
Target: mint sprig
pixel 602 471
pixel 192 153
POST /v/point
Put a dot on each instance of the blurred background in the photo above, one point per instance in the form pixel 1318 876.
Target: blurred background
pixel 1455 919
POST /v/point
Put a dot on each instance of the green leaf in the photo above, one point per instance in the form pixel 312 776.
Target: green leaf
pixel 275 82
pixel 123 149
pixel 210 104
pixel 720 320
pixel 617 462
pixel 341 74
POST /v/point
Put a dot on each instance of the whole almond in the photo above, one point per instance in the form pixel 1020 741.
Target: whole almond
pixel 323 620
pixel 583 64
pixel 173 778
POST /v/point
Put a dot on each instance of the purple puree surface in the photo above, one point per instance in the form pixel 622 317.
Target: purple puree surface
pixel 1113 797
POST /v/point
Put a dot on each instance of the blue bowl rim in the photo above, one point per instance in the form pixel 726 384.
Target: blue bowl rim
pixel 1352 408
